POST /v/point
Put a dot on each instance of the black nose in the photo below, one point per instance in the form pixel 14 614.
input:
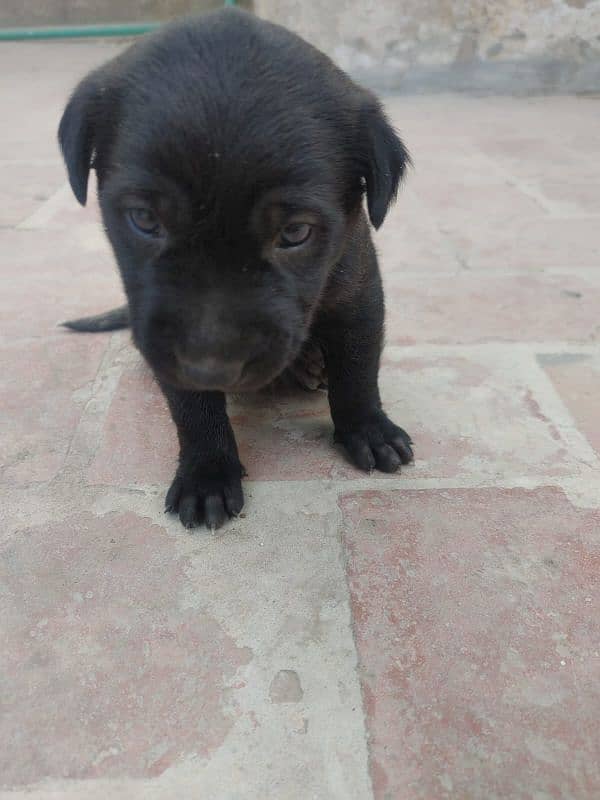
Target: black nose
pixel 210 372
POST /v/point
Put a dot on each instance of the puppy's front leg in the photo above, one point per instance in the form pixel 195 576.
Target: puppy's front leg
pixel 351 342
pixel 208 483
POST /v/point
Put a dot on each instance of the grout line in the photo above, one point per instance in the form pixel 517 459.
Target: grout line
pixel 501 348
pixel 397 272
pixel 344 561
pixel 401 482
pixel 43 215
pixel 87 435
pixel 524 186
pixel 529 188
pixel 31 162
pixel 426 348
pixel 556 410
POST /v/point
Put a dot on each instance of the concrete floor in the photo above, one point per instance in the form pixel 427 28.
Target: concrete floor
pixel 434 634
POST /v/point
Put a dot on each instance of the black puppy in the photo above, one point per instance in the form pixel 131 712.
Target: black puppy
pixel 232 159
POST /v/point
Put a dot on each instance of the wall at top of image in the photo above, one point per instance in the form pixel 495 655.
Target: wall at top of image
pixel 433 45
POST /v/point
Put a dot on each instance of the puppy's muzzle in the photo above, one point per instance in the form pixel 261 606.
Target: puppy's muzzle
pixel 211 373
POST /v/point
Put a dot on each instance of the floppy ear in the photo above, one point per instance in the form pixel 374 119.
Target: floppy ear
pixel 384 161
pixel 76 134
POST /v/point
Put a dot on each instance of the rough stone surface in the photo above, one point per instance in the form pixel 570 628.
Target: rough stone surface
pixel 96 626
pixel 446 401
pixel 432 634
pixel 477 621
pixel 44 387
pixel 471 308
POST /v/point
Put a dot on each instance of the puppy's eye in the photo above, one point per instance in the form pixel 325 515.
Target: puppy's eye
pixel 294 234
pixel 145 221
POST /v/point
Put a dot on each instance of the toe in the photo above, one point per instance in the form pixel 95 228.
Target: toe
pixel 386 458
pixel 234 499
pixel 402 445
pixel 360 452
pixel 187 511
pixel 173 495
pixel 214 511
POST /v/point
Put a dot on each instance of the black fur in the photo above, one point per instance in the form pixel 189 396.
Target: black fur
pixel 108 321
pixel 222 137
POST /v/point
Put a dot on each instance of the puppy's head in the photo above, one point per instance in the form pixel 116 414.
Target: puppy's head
pixel 231 159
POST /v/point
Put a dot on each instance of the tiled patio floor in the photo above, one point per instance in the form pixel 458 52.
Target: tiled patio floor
pixel 430 635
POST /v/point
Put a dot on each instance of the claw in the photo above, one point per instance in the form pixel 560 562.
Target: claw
pixel 205 495
pixel 377 443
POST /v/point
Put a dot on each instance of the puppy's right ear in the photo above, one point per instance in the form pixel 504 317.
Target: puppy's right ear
pixel 76 134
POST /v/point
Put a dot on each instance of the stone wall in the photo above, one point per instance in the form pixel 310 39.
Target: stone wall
pixel 501 45
pixel 84 12
pixel 411 45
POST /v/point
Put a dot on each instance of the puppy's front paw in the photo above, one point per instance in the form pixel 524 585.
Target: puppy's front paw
pixel 376 443
pixel 205 492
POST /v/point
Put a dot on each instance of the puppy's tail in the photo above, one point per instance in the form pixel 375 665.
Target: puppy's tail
pixel 109 321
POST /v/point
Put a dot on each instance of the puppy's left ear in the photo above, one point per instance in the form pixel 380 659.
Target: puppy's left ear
pixel 384 160
pixel 76 134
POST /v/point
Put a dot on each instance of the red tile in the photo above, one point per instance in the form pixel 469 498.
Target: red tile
pixel 139 441
pixel 535 157
pixel 491 199
pixel 473 416
pixel 477 209
pixel 568 194
pixel 44 386
pixel 64 212
pixel 477 622
pixel 50 276
pixel 280 438
pixel 532 244
pixel 518 128
pixel 26 186
pixel 473 307
pixel 410 239
pixel 108 672
pixel 288 437
pixel 37 83
pixel 576 377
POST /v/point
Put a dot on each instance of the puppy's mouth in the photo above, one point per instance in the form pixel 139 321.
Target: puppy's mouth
pixel 232 377
pixel 245 383
pixel 233 371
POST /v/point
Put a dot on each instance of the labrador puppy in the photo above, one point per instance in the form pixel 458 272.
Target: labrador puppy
pixel 232 159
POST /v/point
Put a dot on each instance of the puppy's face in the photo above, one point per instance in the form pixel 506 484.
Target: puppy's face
pixel 231 161
pixel 223 272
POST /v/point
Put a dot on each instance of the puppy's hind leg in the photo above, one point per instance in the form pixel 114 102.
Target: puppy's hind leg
pixel 308 369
